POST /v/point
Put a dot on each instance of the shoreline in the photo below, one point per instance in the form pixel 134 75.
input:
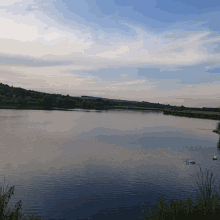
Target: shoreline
pixel 188 114
pixel 194 114
pixel 67 109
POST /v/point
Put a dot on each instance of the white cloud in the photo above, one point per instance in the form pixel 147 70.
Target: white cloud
pixel 18 32
pixel 28 31
pixel 9 2
pixel 38 31
pixel 36 34
pixel 130 82
pixel 123 50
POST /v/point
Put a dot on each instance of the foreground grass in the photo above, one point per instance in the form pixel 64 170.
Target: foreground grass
pixel 207 205
pixel 15 213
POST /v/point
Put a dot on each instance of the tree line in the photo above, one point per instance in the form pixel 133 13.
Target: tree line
pixel 29 98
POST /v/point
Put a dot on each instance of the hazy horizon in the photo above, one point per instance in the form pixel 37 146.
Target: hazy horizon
pixel 151 51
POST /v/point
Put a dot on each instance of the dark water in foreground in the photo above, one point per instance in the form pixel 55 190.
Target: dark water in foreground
pixel 83 165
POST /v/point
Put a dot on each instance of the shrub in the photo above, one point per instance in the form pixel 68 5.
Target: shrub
pixel 207 203
pixel 15 214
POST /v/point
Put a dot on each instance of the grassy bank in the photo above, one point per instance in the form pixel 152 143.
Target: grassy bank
pixel 207 205
pixel 194 114
pixel 134 108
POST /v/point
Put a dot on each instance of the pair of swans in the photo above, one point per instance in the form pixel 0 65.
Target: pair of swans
pixel 193 161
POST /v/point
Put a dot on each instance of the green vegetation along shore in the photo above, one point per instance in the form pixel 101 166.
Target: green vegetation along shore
pixel 194 114
pixel 19 98
pixel 207 205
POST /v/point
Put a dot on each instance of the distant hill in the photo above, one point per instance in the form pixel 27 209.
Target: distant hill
pixel 35 98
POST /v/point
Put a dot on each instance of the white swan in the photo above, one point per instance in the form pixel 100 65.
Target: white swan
pixel 214 158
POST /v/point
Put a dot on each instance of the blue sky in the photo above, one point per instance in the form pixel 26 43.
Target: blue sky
pixel 155 51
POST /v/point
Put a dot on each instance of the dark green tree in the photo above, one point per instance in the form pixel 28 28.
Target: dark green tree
pixel 99 100
pixel 182 107
pixel 66 103
pixel 22 101
pixel 98 105
pixel 47 102
pixel 90 105
pixel 84 105
pixel 60 103
pixel 40 102
pixel 72 103
pixel 19 92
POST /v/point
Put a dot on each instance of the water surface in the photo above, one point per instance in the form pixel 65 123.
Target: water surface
pixel 83 165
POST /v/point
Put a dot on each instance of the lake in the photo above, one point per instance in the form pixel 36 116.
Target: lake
pixel 85 164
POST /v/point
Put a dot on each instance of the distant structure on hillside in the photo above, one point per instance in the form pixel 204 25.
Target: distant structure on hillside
pixel 88 97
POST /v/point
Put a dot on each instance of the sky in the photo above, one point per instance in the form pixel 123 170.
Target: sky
pixel 155 51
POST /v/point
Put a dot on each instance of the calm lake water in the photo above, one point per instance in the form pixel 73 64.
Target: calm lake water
pixel 83 165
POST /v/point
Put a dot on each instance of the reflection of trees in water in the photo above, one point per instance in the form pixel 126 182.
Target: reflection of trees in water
pixel 218 126
pixel 217 130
